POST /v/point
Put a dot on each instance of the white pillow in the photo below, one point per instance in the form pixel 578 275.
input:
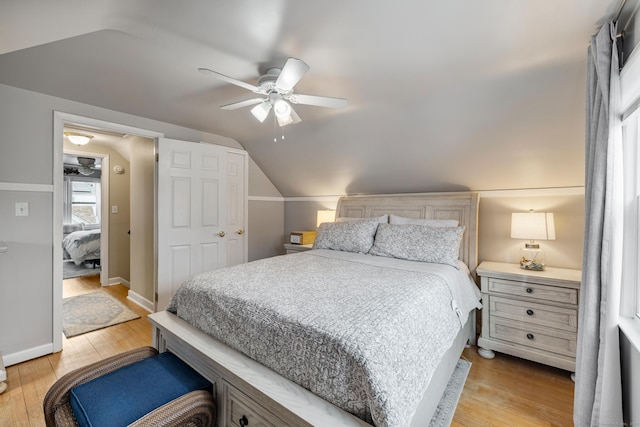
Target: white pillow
pixel 384 219
pixel 395 219
pixel 351 236
pixel 412 242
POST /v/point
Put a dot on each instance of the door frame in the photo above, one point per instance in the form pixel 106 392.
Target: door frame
pixel 59 120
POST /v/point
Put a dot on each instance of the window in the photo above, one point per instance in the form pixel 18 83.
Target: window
pixel 81 200
pixel 630 303
pixel 630 136
pixel 630 108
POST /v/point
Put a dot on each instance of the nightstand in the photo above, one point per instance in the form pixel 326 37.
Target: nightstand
pixel 530 314
pixel 291 248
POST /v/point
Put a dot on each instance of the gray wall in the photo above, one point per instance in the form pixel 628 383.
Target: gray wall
pixel 142 176
pixel 266 230
pixel 26 289
pixel 266 224
pixel 494 227
pixel 26 157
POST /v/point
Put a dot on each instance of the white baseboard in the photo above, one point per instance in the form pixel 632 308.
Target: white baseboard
pixel 141 301
pixel 23 356
pixel 119 281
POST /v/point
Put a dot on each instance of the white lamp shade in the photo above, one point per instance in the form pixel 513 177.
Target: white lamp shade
pixel 261 111
pixel 284 120
pixel 533 226
pixel 282 108
pixel 325 215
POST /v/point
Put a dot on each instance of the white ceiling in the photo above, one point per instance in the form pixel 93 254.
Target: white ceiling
pixel 443 95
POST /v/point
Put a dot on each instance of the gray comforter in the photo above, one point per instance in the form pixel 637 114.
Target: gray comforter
pixel 81 246
pixel 363 332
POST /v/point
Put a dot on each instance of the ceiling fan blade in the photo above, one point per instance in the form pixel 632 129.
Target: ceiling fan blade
pixel 261 111
pixel 318 101
pixel 240 104
pixel 291 74
pixel 229 79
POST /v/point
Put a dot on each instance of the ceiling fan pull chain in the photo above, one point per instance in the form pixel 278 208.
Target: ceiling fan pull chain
pixel 275 139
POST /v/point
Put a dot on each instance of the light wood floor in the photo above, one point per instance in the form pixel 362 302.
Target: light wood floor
pixel 505 391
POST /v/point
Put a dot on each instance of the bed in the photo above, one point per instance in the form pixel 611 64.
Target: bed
pixel 82 246
pixel 256 350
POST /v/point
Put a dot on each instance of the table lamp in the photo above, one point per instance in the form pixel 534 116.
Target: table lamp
pixel 532 226
pixel 325 215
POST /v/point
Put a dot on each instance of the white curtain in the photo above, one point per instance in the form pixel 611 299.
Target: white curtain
pixel 598 390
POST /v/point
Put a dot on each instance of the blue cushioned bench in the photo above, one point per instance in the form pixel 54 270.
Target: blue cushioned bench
pixel 139 387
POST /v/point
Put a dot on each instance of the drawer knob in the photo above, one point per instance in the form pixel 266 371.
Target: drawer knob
pixel 530 312
pixel 530 336
pixel 243 421
pixel 529 290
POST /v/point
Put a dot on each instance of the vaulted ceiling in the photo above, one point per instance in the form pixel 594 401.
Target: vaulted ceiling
pixel 443 95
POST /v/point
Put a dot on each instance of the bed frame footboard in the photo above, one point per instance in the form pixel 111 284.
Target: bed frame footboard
pixel 243 387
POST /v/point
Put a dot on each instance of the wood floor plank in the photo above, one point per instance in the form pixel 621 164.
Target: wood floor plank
pixel 505 391
pixel 508 391
pixel 13 410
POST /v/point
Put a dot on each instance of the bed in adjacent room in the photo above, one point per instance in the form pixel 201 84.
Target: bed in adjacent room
pixel 365 329
pixel 82 246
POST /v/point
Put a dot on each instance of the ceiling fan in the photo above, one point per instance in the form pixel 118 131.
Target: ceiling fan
pixel 275 86
pixel 86 165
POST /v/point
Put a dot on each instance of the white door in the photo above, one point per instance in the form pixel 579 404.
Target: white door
pixel 236 207
pixel 192 213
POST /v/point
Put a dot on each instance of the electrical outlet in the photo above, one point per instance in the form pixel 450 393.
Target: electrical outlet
pixel 22 209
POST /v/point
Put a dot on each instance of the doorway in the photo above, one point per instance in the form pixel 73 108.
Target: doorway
pixel 112 166
pixel 84 210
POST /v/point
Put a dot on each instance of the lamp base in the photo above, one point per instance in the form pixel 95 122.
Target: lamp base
pixel 532 259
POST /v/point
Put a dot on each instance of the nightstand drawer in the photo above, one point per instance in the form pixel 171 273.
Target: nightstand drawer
pixel 526 334
pixel 533 290
pixel 538 314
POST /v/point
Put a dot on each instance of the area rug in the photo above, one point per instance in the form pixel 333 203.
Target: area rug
pixel 71 270
pixel 449 401
pixel 89 312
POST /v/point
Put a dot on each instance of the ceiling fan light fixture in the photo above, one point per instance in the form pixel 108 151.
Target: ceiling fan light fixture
pixel 78 138
pixel 282 109
pixel 283 121
pixel 261 111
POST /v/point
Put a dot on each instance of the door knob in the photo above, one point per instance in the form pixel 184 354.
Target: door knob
pixel 241 231
pixel 222 234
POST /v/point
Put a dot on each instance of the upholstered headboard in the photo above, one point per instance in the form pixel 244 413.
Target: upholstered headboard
pixel 462 207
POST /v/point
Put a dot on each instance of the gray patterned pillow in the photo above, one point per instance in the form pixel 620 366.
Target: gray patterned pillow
pixel 352 236
pixel 418 243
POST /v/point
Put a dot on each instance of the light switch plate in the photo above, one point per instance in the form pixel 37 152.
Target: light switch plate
pixel 22 209
pixel 114 209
